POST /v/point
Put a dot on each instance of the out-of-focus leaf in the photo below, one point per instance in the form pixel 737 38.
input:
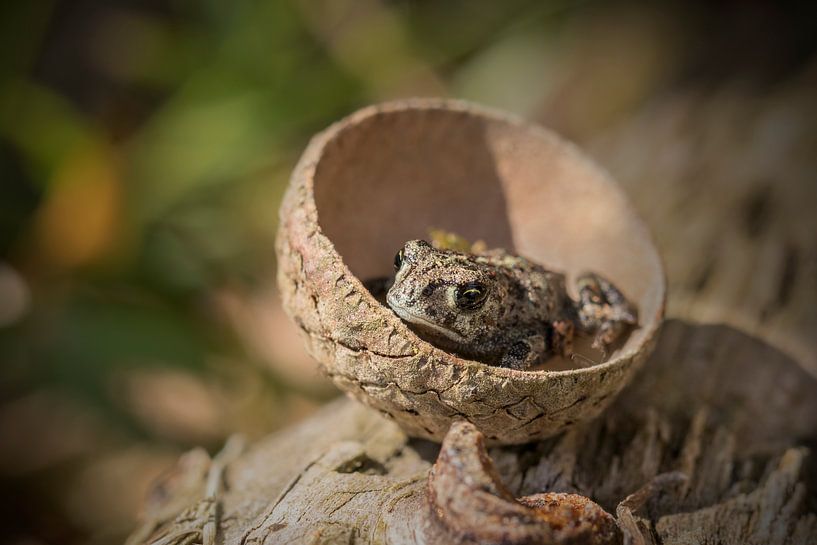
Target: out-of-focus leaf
pixel 79 220
pixel 349 28
pixel 42 125
pixel 527 59
pixel 146 51
pixel 264 86
pixel 192 146
pixel 446 33
pixel 80 345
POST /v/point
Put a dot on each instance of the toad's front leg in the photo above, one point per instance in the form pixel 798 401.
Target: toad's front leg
pixel 603 310
pixel 525 352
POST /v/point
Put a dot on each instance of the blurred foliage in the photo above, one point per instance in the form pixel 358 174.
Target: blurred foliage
pixel 144 146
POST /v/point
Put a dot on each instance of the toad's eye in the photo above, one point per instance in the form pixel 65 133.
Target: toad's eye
pixel 398 260
pixel 471 296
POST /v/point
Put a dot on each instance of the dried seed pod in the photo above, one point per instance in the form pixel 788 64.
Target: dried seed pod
pixel 469 505
pixel 386 175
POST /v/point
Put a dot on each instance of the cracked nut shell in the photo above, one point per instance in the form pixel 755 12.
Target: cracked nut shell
pixel 469 505
pixel 388 173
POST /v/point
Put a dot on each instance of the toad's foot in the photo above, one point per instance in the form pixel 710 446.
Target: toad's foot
pixel 603 310
pixel 525 353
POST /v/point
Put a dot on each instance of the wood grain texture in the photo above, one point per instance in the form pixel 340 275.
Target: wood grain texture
pixel 727 181
pixel 728 411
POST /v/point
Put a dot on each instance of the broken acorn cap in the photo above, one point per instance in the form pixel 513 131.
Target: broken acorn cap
pixel 388 173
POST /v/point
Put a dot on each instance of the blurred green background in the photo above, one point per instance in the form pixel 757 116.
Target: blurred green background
pixel 144 147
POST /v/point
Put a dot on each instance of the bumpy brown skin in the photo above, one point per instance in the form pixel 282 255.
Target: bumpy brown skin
pixel 500 308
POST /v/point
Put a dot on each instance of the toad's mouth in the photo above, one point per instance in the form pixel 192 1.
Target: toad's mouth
pixel 424 323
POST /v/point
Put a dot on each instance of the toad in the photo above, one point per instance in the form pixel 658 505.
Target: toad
pixel 501 308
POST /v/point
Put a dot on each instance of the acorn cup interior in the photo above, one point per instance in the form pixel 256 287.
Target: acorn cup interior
pixel 388 174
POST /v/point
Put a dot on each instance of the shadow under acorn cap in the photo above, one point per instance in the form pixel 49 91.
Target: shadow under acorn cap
pixel 388 173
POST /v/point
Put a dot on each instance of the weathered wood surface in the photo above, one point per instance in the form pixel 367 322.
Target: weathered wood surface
pixel 735 412
pixel 727 182
pixel 723 408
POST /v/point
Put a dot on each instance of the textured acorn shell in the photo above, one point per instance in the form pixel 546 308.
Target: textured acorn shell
pixel 388 173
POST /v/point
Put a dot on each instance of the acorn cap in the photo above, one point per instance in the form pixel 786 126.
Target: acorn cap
pixel 387 174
